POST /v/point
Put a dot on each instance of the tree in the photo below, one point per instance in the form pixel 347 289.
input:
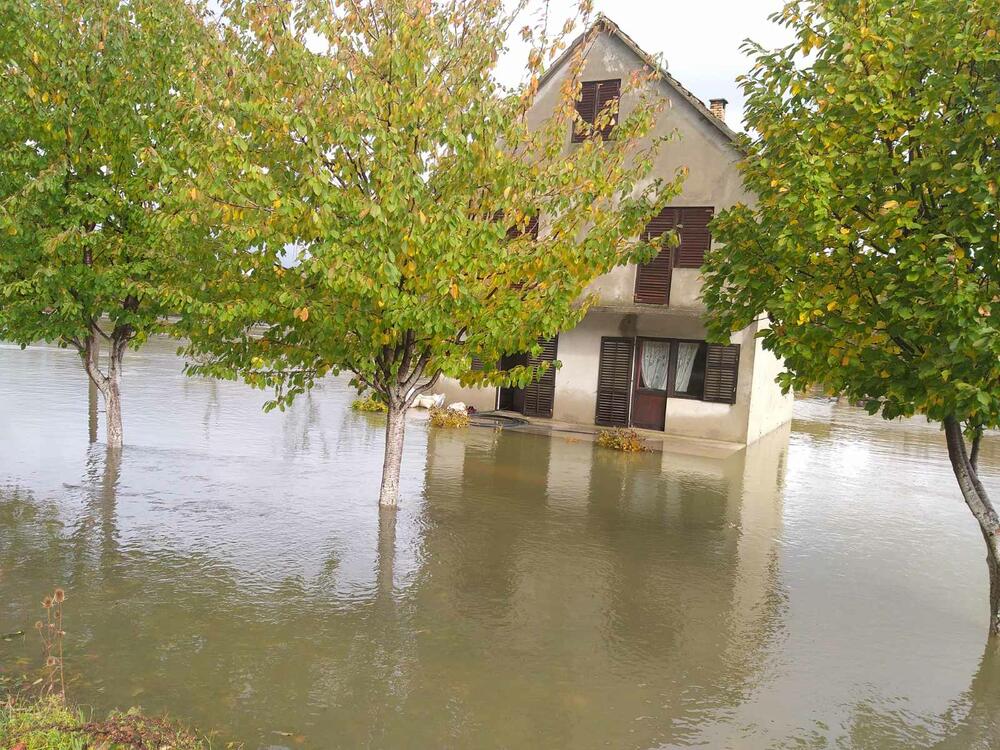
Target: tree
pixel 433 219
pixel 90 231
pixel 874 245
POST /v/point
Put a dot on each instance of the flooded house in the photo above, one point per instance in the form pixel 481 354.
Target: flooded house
pixel 640 356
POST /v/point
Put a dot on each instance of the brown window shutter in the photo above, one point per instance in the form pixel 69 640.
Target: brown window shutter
pixel 586 107
pixel 696 240
pixel 614 382
pixel 515 231
pixel 607 92
pixel 477 364
pixel 653 279
pixel 722 367
pixel 540 396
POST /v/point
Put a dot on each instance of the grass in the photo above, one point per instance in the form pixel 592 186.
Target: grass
pixel 368 403
pixel 621 439
pixel 49 724
pixel 34 715
pixel 444 417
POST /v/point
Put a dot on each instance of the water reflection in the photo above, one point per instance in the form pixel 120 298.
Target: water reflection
pixel 232 567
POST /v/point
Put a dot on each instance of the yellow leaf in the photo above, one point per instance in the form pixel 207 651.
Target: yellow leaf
pixel 276 203
pixel 454 291
pixel 302 314
pixel 889 206
pixel 832 306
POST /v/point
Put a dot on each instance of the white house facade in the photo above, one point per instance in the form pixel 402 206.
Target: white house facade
pixel 639 358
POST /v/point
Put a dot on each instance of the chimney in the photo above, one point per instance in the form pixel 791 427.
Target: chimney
pixel 718 108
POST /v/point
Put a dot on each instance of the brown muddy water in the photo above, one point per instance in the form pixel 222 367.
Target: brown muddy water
pixel 824 588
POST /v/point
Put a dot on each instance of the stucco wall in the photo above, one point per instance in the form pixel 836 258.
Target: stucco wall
pixel 769 408
pixel 576 381
pixel 699 145
pixel 713 180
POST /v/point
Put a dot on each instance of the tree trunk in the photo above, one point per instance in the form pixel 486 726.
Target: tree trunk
pixel 109 385
pixel 94 354
pixel 979 503
pixel 113 409
pixel 394 427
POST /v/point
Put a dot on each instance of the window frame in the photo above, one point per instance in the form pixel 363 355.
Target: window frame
pixel 672 391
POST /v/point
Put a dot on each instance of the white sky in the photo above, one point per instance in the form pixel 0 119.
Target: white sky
pixel 700 40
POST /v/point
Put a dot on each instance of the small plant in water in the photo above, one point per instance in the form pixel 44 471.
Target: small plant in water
pixel 444 417
pixel 53 681
pixel 622 439
pixel 368 403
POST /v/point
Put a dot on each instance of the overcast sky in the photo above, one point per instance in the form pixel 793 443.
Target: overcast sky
pixel 699 40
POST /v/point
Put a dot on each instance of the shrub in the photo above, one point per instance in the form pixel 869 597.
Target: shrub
pixel 444 417
pixel 621 439
pixel 368 403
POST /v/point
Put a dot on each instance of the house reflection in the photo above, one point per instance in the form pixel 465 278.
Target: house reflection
pixel 608 587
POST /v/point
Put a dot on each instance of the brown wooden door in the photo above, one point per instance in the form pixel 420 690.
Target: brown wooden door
pixel 540 396
pixel 652 372
pixel 614 382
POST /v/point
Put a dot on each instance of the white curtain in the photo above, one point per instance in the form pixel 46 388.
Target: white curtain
pixel 655 363
pixel 686 355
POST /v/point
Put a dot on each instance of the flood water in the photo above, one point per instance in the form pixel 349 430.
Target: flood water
pixel 824 588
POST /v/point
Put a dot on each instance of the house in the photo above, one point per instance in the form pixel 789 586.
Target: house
pixel 639 358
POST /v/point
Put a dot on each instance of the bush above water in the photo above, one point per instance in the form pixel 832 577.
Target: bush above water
pixel 621 439
pixel 368 403
pixel 444 417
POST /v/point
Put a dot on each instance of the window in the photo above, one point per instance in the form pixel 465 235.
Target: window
pixel 689 369
pixel 595 98
pixel 654 365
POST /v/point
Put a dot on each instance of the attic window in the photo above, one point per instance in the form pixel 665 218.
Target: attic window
pixel 595 97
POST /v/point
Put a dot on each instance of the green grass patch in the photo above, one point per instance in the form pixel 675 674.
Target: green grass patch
pixel 48 724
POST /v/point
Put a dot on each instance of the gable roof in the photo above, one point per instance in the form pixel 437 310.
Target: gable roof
pixel 603 23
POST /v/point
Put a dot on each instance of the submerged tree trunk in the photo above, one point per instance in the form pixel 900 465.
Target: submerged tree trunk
pixel 395 425
pixel 109 385
pixel 398 383
pixel 979 503
pixel 94 355
pixel 113 408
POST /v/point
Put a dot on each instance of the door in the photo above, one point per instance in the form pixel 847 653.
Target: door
pixel 540 396
pixel 512 399
pixel 649 394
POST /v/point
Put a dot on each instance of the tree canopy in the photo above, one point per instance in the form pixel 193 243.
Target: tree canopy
pixel 91 238
pixel 873 245
pixel 434 215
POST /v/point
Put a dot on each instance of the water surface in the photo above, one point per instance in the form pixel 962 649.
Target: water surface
pixel 823 588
